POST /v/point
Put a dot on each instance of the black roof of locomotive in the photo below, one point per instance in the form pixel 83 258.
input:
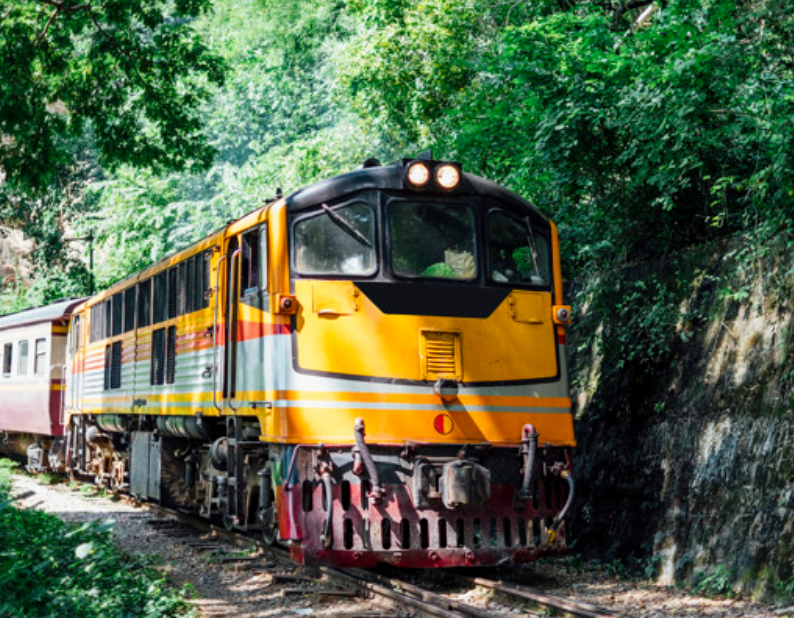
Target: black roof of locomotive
pixel 392 177
pixel 49 313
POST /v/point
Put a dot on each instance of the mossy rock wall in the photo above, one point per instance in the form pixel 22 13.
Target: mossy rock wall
pixel 683 376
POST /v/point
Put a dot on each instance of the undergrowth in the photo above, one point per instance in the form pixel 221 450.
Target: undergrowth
pixel 717 581
pixel 51 569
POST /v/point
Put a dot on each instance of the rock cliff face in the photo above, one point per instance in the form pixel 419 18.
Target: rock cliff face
pixel 684 382
pixel 14 247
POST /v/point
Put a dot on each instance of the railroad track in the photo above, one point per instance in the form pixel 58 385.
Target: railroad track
pixel 419 601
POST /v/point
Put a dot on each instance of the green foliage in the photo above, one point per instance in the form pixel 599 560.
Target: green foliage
pixel 278 123
pixel 785 587
pixel 716 581
pixel 638 142
pixel 641 329
pixel 132 72
pixel 86 87
pixel 49 569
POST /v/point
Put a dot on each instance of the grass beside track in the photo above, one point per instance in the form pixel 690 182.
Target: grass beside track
pixel 52 569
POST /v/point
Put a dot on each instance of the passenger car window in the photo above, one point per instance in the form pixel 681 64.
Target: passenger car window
pixel 517 252
pixel 336 241
pixel 7 359
pixel 40 359
pixel 24 357
pixel 432 240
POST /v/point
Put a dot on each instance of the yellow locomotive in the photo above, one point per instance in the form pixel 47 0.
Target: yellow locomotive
pixel 371 369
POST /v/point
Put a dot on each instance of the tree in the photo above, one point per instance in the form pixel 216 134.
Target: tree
pixel 130 72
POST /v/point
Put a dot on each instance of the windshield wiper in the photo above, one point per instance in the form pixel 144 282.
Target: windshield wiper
pixel 351 231
pixel 533 251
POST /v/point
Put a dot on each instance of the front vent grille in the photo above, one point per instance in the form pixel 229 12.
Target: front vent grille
pixel 440 355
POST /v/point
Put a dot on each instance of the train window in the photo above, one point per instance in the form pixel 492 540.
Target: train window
pixel 118 313
pixel 517 253
pixel 129 309
pixel 24 357
pixel 160 304
pixel 249 263
pixel 8 350
pixel 76 332
pixel 432 240
pixel 40 358
pixel 145 303
pixel 336 241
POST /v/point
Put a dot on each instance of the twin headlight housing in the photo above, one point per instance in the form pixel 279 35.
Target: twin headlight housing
pixel 424 174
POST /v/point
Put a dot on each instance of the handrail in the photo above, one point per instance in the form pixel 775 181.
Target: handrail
pixel 215 338
pixel 231 348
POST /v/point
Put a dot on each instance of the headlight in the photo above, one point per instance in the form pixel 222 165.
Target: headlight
pixel 448 176
pixel 418 174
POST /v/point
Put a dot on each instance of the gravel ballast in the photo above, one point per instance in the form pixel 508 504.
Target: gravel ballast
pixel 238 588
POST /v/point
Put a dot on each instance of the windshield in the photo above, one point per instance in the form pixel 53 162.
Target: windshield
pixel 432 240
pixel 337 241
pixel 517 253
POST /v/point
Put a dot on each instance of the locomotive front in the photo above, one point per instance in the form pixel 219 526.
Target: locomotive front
pixel 421 414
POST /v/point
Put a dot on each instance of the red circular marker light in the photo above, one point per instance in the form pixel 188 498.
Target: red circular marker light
pixel 418 174
pixel 448 176
pixel 443 424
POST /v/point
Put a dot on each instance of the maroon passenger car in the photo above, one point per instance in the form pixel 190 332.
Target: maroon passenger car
pixel 32 369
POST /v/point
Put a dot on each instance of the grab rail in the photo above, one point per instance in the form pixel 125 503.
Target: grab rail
pixel 215 338
pixel 231 344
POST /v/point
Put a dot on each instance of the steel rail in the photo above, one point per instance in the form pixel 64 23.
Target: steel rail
pixel 404 593
pixel 579 609
pixel 428 603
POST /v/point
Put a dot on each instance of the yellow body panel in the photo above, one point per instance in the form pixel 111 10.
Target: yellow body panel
pixel 358 339
pixel 299 416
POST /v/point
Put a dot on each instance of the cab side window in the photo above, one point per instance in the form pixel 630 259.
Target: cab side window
pixel 249 264
pixel 518 252
pixel 253 263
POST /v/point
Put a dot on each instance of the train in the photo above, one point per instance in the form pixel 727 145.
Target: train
pixel 369 370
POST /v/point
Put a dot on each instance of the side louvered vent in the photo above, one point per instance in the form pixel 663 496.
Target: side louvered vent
pixel 441 355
